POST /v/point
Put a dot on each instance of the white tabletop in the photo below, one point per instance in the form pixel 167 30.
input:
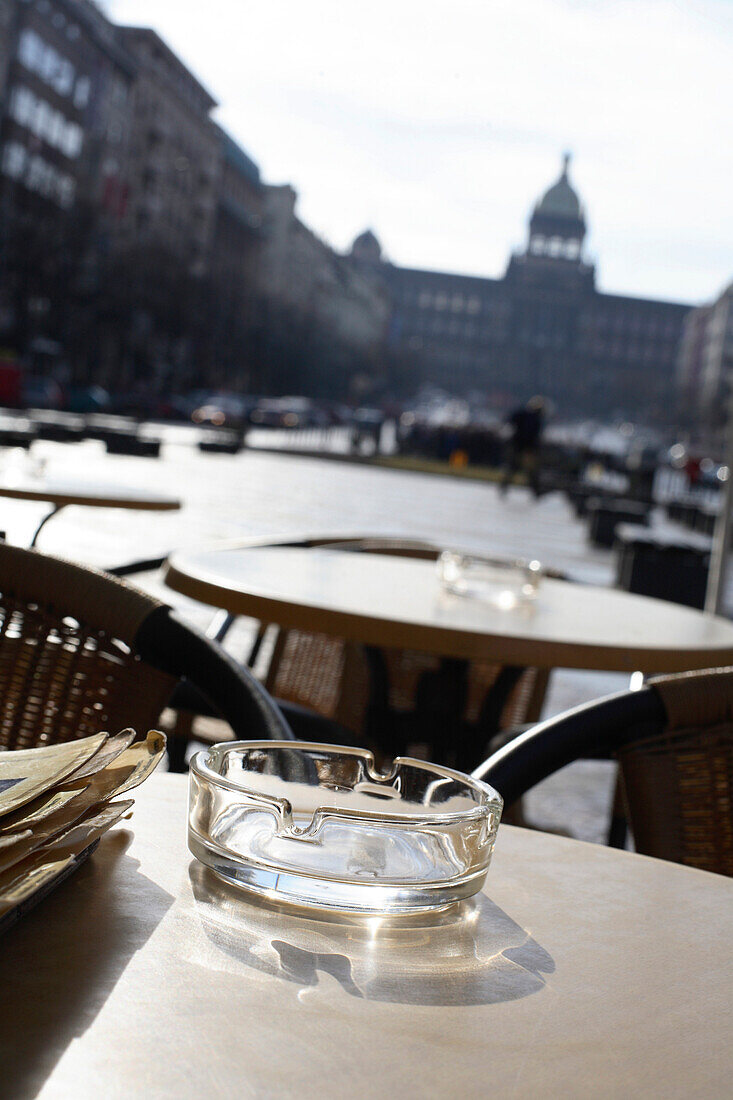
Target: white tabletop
pixel 580 971
pixel 397 601
pixel 62 492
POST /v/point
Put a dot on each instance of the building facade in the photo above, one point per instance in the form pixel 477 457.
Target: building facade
pixel 7 36
pixel 305 278
pixel 705 367
pixel 236 248
pixel 66 104
pixel 543 327
pixel 239 211
pixel 174 155
pixel 63 134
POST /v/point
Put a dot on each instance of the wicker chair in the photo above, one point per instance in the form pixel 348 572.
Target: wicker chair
pixel 82 652
pixel 673 740
pixel 398 701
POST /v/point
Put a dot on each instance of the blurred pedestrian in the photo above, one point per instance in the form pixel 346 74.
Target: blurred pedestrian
pixel 693 471
pixel 522 451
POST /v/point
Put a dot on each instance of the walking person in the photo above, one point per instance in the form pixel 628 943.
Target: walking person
pixel 521 455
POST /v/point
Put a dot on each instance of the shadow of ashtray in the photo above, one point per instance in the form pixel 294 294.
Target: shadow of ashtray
pixel 468 954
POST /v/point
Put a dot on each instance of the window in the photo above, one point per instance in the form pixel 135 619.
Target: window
pixel 473 306
pixel 14 158
pixel 81 91
pixel 72 140
pixel 66 190
pixel 62 80
pixel 46 67
pixel 441 300
pixel 55 129
pixel 36 56
pixel 39 175
pixel 43 122
pixel 46 122
pixel 457 303
pixel 36 118
pixel 30 48
pixel 22 105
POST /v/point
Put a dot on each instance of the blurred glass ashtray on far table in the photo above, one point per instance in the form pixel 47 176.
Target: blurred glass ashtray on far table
pixel 503 584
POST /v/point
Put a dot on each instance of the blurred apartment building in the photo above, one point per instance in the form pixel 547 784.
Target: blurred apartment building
pixel 107 141
pixel 63 145
pixel 7 14
pixel 542 328
pixel 238 216
pixel 235 265
pixel 173 165
pixel 705 367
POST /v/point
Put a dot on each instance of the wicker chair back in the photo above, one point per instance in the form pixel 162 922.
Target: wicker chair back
pixel 68 666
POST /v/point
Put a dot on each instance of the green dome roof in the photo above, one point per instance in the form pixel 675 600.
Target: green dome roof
pixel 561 201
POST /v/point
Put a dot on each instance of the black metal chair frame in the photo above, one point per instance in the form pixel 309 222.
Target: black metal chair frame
pixel 594 730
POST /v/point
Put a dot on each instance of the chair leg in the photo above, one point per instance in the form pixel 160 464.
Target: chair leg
pixel 618 828
pixel 257 645
pixel 179 739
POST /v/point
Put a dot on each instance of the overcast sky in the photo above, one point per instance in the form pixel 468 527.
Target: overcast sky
pixel 438 123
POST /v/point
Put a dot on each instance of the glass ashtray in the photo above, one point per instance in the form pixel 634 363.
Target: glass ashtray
pixel 505 584
pixel 318 825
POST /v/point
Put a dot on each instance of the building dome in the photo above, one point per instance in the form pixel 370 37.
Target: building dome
pixel 561 201
pixel 367 247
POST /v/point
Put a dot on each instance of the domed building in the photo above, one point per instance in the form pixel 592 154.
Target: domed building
pixel 557 225
pixel 543 327
pixel 366 248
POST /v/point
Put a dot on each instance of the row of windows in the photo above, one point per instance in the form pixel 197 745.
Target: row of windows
pixel 540 245
pixel 451 328
pixel 37 174
pixel 46 122
pixel 455 302
pixel 56 71
pixel 651 327
pixel 623 351
pixel 528 334
pixel 546 327
pixel 542 339
pixel 625 322
pixel 466 330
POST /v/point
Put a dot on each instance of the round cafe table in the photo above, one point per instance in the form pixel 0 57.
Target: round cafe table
pixel 60 493
pixel 384 600
pixel 578 971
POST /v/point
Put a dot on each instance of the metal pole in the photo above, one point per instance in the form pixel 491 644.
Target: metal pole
pixel 719 555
